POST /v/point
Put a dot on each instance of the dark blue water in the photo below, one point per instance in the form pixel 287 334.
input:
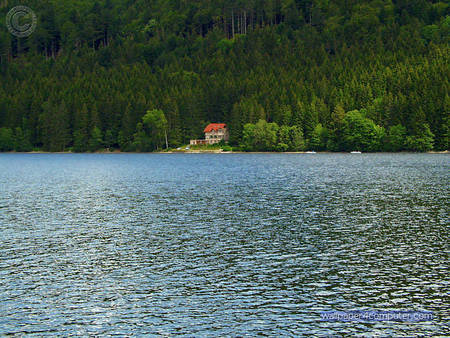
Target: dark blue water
pixel 226 244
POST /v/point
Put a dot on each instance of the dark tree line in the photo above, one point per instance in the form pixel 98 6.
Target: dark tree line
pixel 330 75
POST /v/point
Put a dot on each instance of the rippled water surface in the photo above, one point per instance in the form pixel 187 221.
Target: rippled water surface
pixel 226 244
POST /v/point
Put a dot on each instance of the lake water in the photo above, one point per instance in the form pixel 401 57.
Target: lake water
pixel 222 244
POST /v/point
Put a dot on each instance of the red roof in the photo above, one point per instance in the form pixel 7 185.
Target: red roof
pixel 214 126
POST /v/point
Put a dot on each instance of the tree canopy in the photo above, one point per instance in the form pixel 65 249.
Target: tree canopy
pixel 330 75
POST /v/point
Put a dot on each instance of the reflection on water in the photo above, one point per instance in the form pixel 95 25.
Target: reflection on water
pixel 227 244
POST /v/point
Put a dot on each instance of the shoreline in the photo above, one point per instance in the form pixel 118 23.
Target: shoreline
pixel 118 152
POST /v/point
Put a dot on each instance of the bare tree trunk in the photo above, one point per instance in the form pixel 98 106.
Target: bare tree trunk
pixel 245 22
pixel 232 23
pixel 165 134
pixel 240 23
pixel 225 30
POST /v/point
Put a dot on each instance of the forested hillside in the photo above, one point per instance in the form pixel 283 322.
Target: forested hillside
pixel 283 74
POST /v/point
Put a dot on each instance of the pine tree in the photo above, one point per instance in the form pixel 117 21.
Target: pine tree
pixel 22 140
pixel 96 140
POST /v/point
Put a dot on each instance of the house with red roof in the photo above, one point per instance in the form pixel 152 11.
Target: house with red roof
pixel 214 133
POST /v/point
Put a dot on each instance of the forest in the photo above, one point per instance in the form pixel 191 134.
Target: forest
pixel 285 75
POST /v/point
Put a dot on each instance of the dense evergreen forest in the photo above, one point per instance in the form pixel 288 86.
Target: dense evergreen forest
pixel 338 75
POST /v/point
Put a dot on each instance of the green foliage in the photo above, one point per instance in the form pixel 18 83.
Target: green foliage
pixel 55 120
pixel 109 139
pixel 261 136
pixel 225 45
pixel 150 134
pixel 423 141
pixel 360 133
pixel 141 141
pixel 294 63
pixel 264 136
pixel 156 128
pixel 79 142
pixel 124 143
pixel 396 138
pixel 247 110
pixel 318 140
pixel 281 147
pixel 22 141
pixel 290 138
pixel 6 139
pixel 444 140
pixel 96 140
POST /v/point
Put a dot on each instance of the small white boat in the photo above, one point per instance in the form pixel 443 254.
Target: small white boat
pixel 310 152
pixel 355 152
